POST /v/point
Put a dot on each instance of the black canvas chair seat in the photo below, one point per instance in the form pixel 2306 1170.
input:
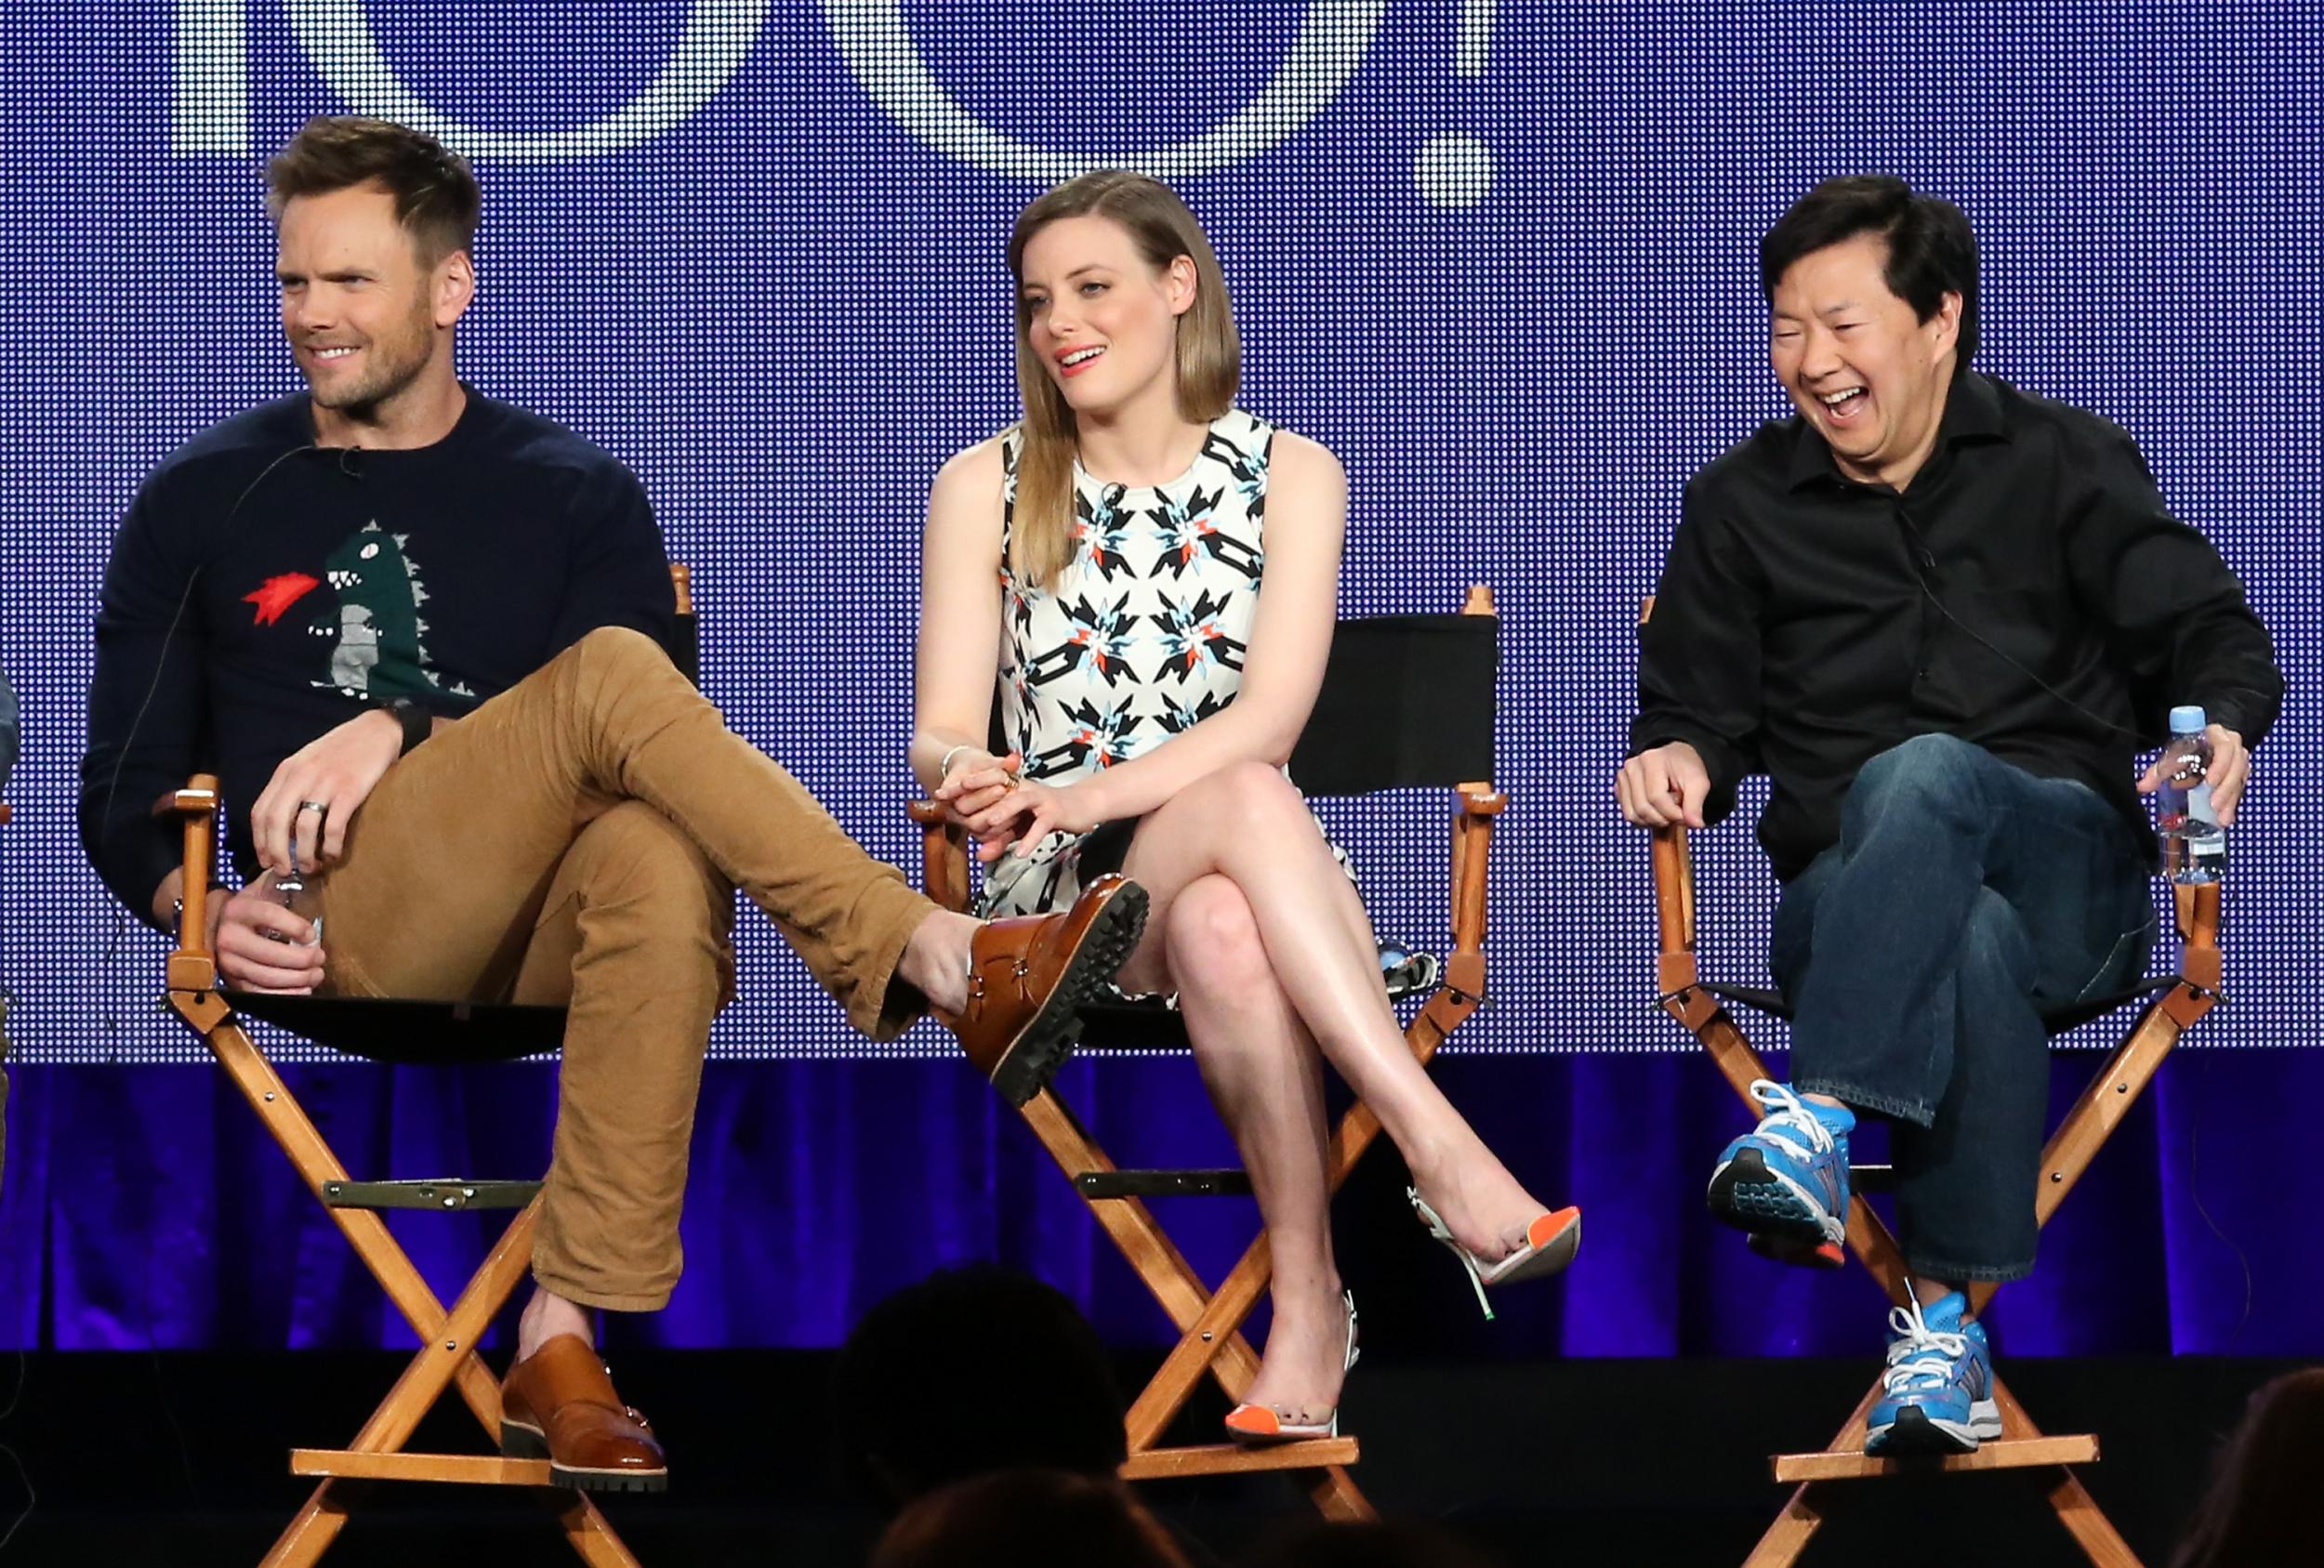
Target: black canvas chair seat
pixel 1136 1023
pixel 410 1034
pixel 2056 1019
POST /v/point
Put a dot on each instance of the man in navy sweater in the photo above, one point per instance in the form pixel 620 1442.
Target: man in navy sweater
pixel 421 635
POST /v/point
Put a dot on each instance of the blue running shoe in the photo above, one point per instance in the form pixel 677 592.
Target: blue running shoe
pixel 1787 1179
pixel 1937 1396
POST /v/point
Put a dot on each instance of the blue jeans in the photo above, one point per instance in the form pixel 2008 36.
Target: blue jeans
pixel 1965 896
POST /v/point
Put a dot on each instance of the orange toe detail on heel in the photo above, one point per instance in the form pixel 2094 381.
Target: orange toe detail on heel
pixel 1545 1229
pixel 1254 1420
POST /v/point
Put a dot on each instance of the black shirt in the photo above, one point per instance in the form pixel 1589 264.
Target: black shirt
pixel 1806 623
pixel 263 590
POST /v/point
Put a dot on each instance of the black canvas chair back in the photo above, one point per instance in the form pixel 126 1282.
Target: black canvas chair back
pixel 1406 702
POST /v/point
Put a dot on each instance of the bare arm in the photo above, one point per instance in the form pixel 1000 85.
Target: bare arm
pixel 957 658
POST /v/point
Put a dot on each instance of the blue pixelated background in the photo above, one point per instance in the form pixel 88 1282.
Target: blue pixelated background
pixel 1500 257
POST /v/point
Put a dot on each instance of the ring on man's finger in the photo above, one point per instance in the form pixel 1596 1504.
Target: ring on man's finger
pixel 312 806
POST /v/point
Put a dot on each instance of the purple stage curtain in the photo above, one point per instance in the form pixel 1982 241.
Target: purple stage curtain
pixel 144 1207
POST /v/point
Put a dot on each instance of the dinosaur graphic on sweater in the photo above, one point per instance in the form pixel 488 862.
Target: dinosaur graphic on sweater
pixel 376 629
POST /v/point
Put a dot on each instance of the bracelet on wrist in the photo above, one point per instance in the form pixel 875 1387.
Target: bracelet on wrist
pixel 943 765
pixel 416 721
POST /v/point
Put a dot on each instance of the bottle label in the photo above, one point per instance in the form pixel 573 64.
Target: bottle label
pixel 2199 811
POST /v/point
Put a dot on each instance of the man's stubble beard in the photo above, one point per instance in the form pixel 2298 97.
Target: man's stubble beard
pixel 389 378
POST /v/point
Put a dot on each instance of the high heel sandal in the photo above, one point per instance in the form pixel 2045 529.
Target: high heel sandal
pixel 1550 1242
pixel 1262 1423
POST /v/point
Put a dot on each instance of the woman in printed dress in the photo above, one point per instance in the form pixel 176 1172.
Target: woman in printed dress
pixel 1151 694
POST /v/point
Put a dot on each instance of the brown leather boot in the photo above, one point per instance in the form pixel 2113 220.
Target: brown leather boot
pixel 558 1404
pixel 1030 976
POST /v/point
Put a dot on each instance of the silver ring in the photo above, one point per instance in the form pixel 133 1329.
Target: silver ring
pixel 312 806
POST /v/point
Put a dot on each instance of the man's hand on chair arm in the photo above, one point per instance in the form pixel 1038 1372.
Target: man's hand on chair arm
pixel 2230 769
pixel 259 944
pixel 1663 786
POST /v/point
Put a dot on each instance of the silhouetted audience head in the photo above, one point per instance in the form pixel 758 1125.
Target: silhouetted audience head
pixel 1028 1519
pixel 1317 1542
pixel 972 1370
pixel 2266 1506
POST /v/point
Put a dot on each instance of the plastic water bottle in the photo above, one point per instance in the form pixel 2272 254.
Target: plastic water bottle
pixel 2193 845
pixel 291 886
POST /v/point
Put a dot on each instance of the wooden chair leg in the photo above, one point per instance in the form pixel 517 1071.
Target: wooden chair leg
pixel 1337 1498
pixel 1204 1338
pixel 310 1531
pixel 591 1537
pixel 447 1357
pixel 1211 1338
pixel 1792 1530
pixel 451 1347
pixel 2091 1529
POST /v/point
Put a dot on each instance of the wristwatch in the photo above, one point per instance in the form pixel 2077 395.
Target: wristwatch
pixel 416 722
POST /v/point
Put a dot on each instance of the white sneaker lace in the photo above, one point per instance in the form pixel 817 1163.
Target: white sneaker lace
pixel 1789 1114
pixel 1918 1341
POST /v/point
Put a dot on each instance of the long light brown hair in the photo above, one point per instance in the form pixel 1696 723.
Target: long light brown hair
pixel 1209 354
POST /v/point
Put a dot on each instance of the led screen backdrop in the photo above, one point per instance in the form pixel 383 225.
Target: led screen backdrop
pixel 1500 257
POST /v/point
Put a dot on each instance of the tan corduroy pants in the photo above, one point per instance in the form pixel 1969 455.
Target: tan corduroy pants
pixel 578 840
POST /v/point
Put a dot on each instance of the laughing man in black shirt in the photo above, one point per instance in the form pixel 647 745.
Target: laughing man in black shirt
pixel 1943 615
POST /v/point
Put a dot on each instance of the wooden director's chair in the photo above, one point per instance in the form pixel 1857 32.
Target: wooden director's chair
pixel 394 1032
pixel 1406 701
pixel 2171 1003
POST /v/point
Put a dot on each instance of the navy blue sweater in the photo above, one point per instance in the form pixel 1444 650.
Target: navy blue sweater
pixel 263 590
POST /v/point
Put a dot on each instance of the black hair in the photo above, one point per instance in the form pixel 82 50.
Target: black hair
pixel 975 1369
pixel 1932 251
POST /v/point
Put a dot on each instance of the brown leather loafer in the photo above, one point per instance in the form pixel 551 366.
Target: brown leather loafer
pixel 1030 976
pixel 558 1404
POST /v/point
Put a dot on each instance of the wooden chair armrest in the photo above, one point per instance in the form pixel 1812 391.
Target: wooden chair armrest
pixel 1482 799
pixel 943 855
pixel 197 803
pixel 2198 911
pixel 1674 890
pixel 1475 806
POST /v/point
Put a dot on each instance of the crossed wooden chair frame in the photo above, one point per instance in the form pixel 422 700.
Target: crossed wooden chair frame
pixel 1210 1321
pixel 2174 1008
pixel 447 1359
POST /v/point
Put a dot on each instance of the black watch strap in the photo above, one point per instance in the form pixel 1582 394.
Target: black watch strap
pixel 416 722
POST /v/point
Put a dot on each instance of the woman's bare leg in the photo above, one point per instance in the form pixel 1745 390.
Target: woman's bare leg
pixel 1246 824
pixel 1266 1078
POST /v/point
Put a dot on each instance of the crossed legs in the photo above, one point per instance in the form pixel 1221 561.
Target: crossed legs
pixel 1965 896
pixel 580 838
pixel 1258 931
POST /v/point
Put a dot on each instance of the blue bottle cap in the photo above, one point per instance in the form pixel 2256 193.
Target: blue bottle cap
pixel 2185 720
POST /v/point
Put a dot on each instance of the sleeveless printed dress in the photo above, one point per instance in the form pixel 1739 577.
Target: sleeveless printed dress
pixel 1141 637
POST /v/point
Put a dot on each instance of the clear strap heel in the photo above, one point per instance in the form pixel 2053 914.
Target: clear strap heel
pixel 1550 1242
pixel 1261 1423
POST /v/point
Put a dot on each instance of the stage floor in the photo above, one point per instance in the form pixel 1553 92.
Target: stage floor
pixel 175 1460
